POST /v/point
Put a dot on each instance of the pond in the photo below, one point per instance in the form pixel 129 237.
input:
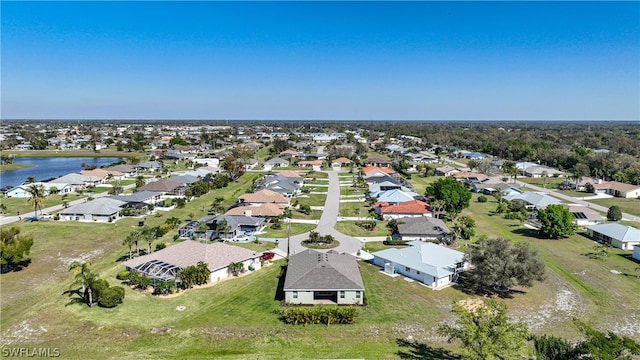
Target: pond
pixel 51 167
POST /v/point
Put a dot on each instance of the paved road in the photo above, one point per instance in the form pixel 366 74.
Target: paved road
pixel 327 223
pixel 574 200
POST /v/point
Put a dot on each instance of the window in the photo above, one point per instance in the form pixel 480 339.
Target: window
pixel 295 294
pixel 341 294
pixel 418 272
pixel 357 294
pixel 406 268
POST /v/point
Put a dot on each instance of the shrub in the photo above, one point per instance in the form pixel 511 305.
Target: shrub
pixel 614 213
pixel 123 275
pixel 139 281
pixel 482 199
pixel 160 246
pixel 111 297
pixel 98 287
pixel 395 242
pixel 320 315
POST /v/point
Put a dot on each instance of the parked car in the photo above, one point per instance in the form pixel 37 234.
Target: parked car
pixel 45 217
pixel 268 255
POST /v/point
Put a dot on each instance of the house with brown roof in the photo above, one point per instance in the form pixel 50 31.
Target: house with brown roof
pixel 290 153
pixel 264 196
pixel 341 161
pixel 166 187
pixel 470 177
pixel 163 265
pixel 376 162
pixel 315 164
pixel 618 189
pixel 414 208
pixel 446 170
pixel 103 174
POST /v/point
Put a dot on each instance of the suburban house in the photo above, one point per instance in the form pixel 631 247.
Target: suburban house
pixel 489 187
pixel 237 227
pixel 166 187
pixel 396 196
pixel 265 196
pixel 618 189
pixel 376 188
pixel 77 181
pixel 584 216
pixel 288 154
pixel 446 171
pixel 341 161
pixel 250 164
pixel 617 235
pixel 127 170
pixel 532 200
pixel 263 210
pixel 373 171
pixel 274 163
pixel 315 164
pixel 139 198
pixel 541 171
pixel 434 265
pixel 101 209
pixel 163 265
pixel 423 228
pixel 579 184
pixel 315 277
pixel 377 162
pixel 103 174
pixel 414 208
pixel 470 177
pixel 152 166
pixel 285 185
pixel 20 191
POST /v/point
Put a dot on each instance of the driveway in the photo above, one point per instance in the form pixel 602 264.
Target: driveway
pixel 327 223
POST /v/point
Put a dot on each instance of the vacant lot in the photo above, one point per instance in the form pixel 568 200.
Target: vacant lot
pixel 22 205
pixel 350 228
pixel 630 206
pixel 355 209
pixel 311 199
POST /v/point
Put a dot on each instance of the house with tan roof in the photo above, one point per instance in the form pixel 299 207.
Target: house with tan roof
pixel 103 174
pixel 315 164
pixel 377 162
pixel 163 265
pixel 166 187
pixel 446 170
pixel 470 177
pixel 264 196
pixel 618 189
pixel 266 210
pixel 290 153
pixel 341 161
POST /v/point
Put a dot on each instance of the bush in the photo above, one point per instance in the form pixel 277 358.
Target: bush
pixel 614 213
pixel 482 199
pixel 98 287
pixel 395 242
pixel 123 275
pixel 160 246
pixel 320 315
pixel 139 281
pixel 111 297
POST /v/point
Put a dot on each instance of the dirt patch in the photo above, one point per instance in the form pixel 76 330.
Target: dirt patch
pixel 23 332
pixel 565 305
pixel 161 330
pixel 84 257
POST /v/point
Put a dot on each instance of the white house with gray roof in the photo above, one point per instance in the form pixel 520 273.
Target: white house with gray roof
pixel 101 209
pixel 533 199
pixel 315 277
pixel 434 265
pixel 617 235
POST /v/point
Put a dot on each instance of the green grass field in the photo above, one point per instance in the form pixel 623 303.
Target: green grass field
pixel 420 183
pixel 311 199
pixel 350 228
pixel 23 206
pixel 10 167
pixel 354 208
pixel 282 233
pixel 630 206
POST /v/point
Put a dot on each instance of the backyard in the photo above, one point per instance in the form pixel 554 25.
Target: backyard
pixel 355 209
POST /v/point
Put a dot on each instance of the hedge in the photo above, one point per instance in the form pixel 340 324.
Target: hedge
pixel 320 315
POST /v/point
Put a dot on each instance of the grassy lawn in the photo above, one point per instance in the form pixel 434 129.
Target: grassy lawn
pixel 630 206
pixel 354 208
pixel 315 215
pixel 9 167
pixel 260 246
pixel 574 193
pixel 282 233
pixel 349 190
pixel 312 199
pixel 374 246
pixel 23 206
pixel 350 228
pixel 550 183
pixel 123 182
pixel 98 190
pixel 316 175
pixel 420 183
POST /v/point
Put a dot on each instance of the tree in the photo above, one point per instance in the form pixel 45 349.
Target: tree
pixel 552 348
pixel 85 278
pixel 556 222
pixel 509 168
pixel 436 207
pixel 455 196
pixel 36 197
pixel 499 264
pixel 234 167
pixel 464 226
pixel 129 241
pixel 222 229
pixel 148 234
pixel 111 297
pixel 485 331
pixel 614 213
pixel 14 248
pixel 235 268
pixel 139 181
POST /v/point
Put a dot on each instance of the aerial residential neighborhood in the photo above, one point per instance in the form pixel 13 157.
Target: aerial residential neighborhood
pixel 320 180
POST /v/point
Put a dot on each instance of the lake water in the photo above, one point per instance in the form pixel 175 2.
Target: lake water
pixel 53 167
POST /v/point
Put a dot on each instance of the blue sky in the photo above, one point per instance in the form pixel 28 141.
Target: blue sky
pixel 321 60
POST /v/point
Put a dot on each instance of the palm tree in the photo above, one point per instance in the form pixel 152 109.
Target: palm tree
pixel 129 241
pixel 545 175
pixel 436 207
pixel 139 181
pixel 37 197
pixel 149 235
pixel 222 228
pixel 85 278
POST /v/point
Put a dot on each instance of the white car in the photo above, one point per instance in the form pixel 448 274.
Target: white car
pixel 45 217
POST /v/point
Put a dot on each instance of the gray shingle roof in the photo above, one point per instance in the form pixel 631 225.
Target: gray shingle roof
pixel 160 186
pixel 100 206
pixel 139 196
pixel 315 270
pixel 534 199
pixel 422 225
